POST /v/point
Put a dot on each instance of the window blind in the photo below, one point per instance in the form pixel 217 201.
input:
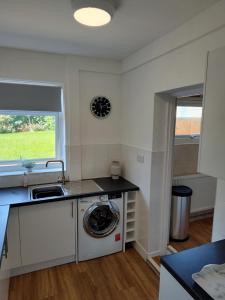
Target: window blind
pixel 190 101
pixel 28 97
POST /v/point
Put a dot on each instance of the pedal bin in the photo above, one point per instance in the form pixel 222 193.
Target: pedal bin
pixel 180 212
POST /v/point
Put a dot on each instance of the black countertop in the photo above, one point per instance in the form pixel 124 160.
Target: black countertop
pixel 19 196
pixel 110 186
pixel 183 264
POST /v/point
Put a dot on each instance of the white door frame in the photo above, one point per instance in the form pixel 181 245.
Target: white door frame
pixel 167 170
pixel 167 178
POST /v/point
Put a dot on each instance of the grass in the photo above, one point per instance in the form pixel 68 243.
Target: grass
pixel 27 145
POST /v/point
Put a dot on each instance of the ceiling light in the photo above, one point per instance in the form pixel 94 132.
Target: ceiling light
pixel 93 13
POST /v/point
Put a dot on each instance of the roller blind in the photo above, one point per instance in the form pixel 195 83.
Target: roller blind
pixel 190 101
pixel 30 97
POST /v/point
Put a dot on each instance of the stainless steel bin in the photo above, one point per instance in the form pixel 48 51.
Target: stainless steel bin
pixel 180 212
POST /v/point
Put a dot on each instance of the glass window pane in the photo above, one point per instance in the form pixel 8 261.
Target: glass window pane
pixel 188 120
pixel 27 137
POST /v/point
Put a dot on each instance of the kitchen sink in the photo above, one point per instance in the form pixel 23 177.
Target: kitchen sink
pixel 50 191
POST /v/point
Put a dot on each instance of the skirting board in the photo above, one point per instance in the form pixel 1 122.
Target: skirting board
pixel 143 253
pixel 154 253
pixel 154 266
pixel 203 210
pixel 138 247
pixel 201 214
pixel 41 266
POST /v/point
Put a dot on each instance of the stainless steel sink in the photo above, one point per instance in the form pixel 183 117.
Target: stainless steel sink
pixel 46 192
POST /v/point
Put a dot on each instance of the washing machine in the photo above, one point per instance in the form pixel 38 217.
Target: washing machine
pixel 100 226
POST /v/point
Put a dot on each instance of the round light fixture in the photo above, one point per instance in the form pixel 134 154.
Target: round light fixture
pixel 93 13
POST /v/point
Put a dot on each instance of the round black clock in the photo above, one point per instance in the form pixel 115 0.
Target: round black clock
pixel 100 107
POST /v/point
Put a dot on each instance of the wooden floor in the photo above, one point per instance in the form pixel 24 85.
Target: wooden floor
pixel 200 233
pixel 157 259
pixel 120 276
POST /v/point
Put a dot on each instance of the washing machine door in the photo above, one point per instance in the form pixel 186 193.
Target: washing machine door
pixel 101 219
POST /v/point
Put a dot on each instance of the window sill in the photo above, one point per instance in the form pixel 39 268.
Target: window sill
pixel 189 176
pixel 181 141
pixel 34 172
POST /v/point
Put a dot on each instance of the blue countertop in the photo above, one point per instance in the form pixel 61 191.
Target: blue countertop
pixel 183 264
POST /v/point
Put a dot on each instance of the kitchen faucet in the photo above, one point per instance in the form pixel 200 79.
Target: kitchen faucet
pixel 63 178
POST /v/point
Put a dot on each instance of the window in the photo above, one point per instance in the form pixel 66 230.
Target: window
pixel 31 125
pixel 27 135
pixel 188 121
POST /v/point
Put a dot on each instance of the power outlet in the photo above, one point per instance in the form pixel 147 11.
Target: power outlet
pixel 140 158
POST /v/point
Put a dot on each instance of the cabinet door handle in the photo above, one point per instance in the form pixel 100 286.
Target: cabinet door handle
pixel 72 203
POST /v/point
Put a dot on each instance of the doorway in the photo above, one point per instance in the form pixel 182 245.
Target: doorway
pixel 187 133
pixel 164 142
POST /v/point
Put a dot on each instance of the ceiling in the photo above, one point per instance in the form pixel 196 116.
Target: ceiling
pixel 48 25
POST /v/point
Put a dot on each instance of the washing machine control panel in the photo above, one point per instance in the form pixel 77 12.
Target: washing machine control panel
pixel 103 198
pixel 115 196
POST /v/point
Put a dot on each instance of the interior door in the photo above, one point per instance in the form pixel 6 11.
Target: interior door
pixel 212 145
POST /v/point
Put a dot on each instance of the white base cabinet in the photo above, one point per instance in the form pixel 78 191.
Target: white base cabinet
pixel 170 289
pixel 13 259
pixel 47 231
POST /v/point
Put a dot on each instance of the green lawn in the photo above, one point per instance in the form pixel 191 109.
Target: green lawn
pixel 28 145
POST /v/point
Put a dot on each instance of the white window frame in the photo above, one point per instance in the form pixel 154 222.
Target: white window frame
pixel 15 165
pixel 187 139
pixel 181 139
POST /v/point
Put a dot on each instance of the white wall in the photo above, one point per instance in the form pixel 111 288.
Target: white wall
pixel 204 191
pixel 138 171
pixel 218 232
pixel 185 159
pixel 81 79
pixel 204 24
pixel 100 139
pixel 174 61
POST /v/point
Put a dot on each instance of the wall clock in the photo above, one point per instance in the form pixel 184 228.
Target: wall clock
pixel 100 107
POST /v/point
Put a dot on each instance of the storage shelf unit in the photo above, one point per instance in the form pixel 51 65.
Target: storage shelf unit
pixel 130 220
pixel 129 217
